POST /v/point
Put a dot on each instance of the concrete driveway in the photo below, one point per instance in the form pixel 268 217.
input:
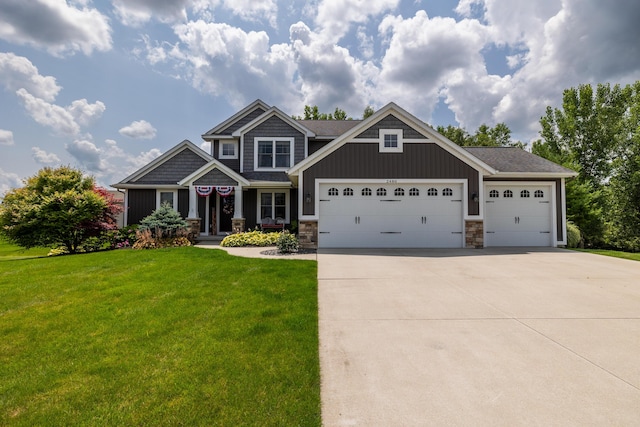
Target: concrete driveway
pixel 479 337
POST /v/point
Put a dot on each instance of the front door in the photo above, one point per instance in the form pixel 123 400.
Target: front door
pixel 226 205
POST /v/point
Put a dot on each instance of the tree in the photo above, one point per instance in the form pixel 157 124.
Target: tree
pixel 368 112
pixel 485 136
pixel 313 113
pixel 163 222
pixel 56 207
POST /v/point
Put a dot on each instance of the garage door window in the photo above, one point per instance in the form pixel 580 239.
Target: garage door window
pixel 333 191
pixel 447 192
pixel 414 192
pixel 381 192
pixel 398 192
pixel 432 192
pixel 366 191
pixel 347 192
pixel 494 194
pixel 524 193
pixel 538 194
pixel 508 193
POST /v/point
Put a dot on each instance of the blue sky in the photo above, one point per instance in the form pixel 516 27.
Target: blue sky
pixel 107 86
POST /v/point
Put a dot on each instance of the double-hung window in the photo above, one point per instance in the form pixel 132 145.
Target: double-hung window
pixel 273 153
pixel 273 204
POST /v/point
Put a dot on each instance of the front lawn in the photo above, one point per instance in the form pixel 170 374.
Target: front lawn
pixel 9 251
pixel 617 254
pixel 182 336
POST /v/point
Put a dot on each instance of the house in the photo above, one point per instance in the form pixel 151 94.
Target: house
pixel 387 181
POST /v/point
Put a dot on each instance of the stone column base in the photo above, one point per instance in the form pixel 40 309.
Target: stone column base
pixel 193 229
pixel 308 234
pixel 474 234
pixel 237 225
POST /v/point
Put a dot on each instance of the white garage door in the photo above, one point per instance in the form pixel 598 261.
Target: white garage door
pixel 518 215
pixel 390 215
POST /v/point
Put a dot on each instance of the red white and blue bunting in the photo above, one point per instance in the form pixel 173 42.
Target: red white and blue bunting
pixel 204 190
pixel 224 191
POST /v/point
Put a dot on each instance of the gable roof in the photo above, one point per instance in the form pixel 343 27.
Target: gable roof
pixel 516 161
pixel 392 109
pixel 329 128
pixel 213 164
pixel 257 104
pixel 271 112
pixel 158 161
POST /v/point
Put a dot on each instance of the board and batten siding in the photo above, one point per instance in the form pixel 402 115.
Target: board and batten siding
pixel 273 127
pixel 173 170
pixel 364 161
pixel 140 204
pixel 558 201
pixel 391 122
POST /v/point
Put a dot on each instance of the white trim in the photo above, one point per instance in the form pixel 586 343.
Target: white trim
pixel 563 204
pixel 381 140
pixel 159 191
pixel 273 141
pixel 273 111
pixel 287 195
pixel 221 154
pixel 125 218
pixel 213 164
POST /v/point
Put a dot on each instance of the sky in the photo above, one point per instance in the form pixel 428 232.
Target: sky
pixel 108 85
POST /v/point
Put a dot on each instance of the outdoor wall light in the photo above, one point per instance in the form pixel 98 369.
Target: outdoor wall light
pixel 307 198
pixel 474 197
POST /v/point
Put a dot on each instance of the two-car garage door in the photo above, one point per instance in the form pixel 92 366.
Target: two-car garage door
pixel 394 215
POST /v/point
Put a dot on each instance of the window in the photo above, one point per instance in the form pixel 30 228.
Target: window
pixel 273 205
pixel 169 197
pixel 507 193
pixel 398 192
pixel 227 150
pixel 524 193
pixel 381 192
pixel 538 194
pixel 447 192
pixel 366 191
pixel 494 193
pixel 414 192
pixel 432 192
pixel 274 153
pixel 390 140
pixel 347 192
pixel 333 191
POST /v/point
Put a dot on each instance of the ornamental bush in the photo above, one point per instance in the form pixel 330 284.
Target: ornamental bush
pixel 574 237
pixel 250 238
pixel 163 222
pixel 287 243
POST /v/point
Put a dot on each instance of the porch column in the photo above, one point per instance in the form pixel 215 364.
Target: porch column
pixel 237 207
pixel 193 202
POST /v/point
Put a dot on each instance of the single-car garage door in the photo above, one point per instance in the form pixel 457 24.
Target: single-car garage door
pixel 420 215
pixel 518 215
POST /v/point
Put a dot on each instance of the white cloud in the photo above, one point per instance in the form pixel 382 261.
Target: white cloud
pixel 17 72
pixel 57 26
pixel 6 137
pixel 43 157
pixel 87 154
pixel 47 114
pixel 85 113
pixel 254 10
pixel 137 12
pixel 140 129
pixel 334 17
pixel 8 181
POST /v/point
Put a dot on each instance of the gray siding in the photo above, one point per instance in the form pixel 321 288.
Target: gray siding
pixel 391 122
pixel 231 163
pixel 241 122
pixel 272 127
pixel 316 145
pixel 418 161
pixel 173 170
pixel 558 183
pixel 140 204
pixel 215 177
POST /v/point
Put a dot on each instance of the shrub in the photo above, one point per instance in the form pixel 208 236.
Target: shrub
pixel 250 238
pixel 287 243
pixel 164 221
pixel 145 239
pixel 574 237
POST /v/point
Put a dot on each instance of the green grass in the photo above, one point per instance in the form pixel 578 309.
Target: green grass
pixel 183 336
pixel 9 251
pixel 634 256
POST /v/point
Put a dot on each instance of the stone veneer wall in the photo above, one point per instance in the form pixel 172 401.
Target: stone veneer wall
pixel 193 225
pixel 308 234
pixel 474 234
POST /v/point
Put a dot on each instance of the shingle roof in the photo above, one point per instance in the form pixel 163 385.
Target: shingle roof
pixel 513 159
pixel 266 176
pixel 332 128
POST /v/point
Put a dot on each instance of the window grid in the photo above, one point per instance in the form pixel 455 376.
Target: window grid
pixel 494 193
pixel 507 194
pixel 432 192
pixel 538 194
pixel 333 191
pixel 390 140
pixel 347 192
pixel 524 193
pixel 414 192
pixel 366 191
pixel 398 192
pixel 447 192
pixel 381 192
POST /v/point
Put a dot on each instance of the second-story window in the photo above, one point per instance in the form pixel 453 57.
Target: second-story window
pixel 274 153
pixel 228 150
